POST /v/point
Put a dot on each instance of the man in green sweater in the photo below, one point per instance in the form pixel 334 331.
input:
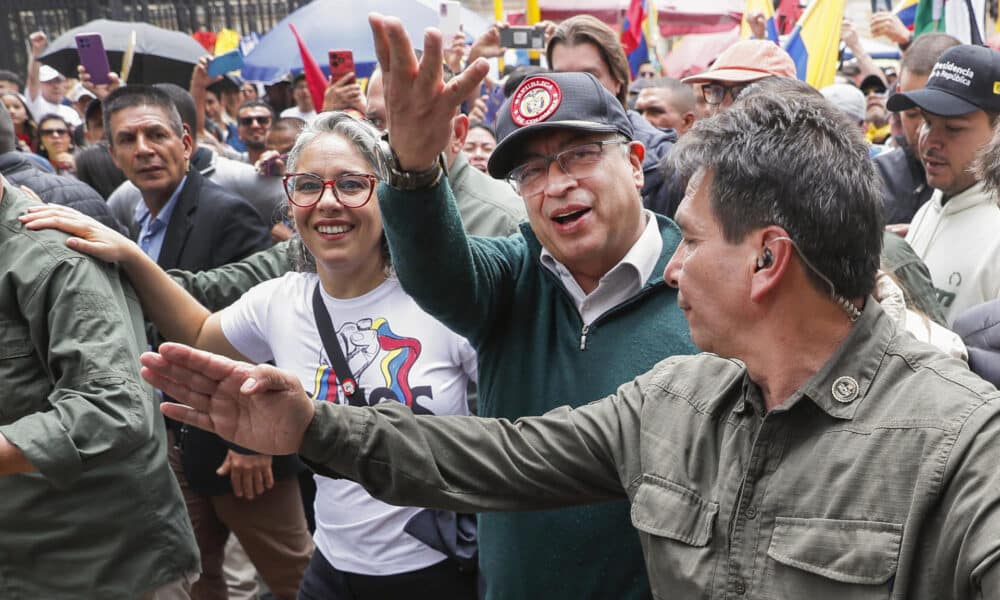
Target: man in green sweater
pixel 563 313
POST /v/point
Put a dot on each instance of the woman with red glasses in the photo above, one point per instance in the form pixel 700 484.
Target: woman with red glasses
pixel 342 322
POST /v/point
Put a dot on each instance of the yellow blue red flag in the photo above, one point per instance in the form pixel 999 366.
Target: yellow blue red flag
pixel 634 34
pixel 907 12
pixel 814 44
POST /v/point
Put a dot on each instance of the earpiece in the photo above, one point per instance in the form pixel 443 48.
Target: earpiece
pixel 765 260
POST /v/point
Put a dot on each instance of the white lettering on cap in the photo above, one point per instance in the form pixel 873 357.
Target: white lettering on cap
pixel 953 72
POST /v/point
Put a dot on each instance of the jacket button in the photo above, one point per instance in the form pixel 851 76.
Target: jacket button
pixel 741 588
pixel 750 512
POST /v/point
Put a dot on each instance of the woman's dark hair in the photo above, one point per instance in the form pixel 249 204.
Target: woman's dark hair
pixel 30 126
pixel 39 148
pixel 95 167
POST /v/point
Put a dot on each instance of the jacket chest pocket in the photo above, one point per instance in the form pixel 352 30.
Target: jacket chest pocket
pixel 18 372
pixel 676 527
pixel 829 558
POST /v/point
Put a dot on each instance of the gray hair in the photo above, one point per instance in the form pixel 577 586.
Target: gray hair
pixel 364 138
pixel 793 160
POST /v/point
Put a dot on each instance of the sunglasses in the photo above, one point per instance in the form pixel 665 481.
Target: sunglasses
pixel 248 121
pixel 53 132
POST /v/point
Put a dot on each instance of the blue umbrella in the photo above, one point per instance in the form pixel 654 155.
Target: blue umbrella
pixel 332 24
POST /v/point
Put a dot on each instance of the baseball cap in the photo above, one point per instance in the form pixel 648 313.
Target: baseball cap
pixel 78 92
pixel 965 79
pixel 873 81
pixel 847 98
pixel 746 61
pixel 47 74
pixel 554 101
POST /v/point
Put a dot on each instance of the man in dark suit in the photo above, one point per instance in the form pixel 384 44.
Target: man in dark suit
pixel 185 221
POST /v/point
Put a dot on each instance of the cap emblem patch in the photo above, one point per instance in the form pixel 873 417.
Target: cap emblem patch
pixel 535 101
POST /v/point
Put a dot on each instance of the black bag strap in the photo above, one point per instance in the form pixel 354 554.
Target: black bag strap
pixel 333 351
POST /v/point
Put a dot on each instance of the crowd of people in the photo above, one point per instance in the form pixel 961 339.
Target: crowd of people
pixel 565 334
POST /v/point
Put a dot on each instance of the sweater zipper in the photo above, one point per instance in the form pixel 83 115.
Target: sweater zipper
pixel 585 330
pixel 642 293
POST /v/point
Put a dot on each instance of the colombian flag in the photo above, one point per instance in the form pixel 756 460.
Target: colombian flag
pixel 766 7
pixel 639 21
pixel 907 12
pixel 815 41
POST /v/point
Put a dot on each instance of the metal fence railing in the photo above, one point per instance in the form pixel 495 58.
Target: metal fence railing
pixel 18 18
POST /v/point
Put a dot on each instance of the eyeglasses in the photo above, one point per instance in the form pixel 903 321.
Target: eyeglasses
pixel 248 121
pixel 714 93
pixel 53 132
pixel 578 162
pixel 353 190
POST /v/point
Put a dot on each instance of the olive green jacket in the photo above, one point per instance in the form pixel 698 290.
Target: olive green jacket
pixel 878 478
pixel 103 516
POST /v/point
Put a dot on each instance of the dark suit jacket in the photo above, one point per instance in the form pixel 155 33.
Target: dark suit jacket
pixel 210 227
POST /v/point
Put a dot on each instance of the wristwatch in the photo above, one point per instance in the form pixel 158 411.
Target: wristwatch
pixel 396 177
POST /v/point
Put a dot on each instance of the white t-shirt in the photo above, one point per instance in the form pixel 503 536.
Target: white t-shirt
pixel 396 352
pixel 41 107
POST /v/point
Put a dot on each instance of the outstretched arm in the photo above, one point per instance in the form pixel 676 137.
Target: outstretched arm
pixel 563 458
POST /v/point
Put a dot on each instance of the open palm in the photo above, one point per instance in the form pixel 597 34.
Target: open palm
pixel 258 407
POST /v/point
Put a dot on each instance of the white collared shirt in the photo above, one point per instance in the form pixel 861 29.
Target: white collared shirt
pixel 623 281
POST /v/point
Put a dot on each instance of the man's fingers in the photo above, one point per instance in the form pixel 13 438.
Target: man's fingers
pixel 178 375
pixel 463 84
pixel 186 414
pixel 263 379
pixel 402 60
pixel 431 69
pixel 377 24
pixel 210 365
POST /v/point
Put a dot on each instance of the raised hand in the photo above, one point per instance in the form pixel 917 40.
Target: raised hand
pixel 344 93
pixel 100 91
pixel 887 24
pixel 258 407
pixel 38 42
pixel 419 104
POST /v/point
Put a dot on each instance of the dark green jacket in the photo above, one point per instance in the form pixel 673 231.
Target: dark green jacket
pixel 528 335
pixel 103 516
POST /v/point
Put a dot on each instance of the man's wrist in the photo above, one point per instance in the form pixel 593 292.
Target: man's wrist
pixel 401 178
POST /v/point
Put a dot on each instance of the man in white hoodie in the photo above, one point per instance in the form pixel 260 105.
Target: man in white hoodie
pixel 955 232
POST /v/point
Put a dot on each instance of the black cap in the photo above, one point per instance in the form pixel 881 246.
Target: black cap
pixel 965 79
pixel 554 101
pixel 872 81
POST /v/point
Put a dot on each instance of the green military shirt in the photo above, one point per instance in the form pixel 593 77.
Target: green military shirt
pixel 103 516
pixel 877 479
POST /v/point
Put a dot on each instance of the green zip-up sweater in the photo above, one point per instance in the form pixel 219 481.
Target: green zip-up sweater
pixel 535 355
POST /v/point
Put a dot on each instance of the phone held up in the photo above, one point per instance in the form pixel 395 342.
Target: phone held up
pixel 90 48
pixel 531 38
pixel 341 63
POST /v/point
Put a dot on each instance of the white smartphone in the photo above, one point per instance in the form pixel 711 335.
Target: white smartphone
pixel 450 21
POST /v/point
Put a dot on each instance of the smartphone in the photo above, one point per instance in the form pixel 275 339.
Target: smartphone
pixel 450 19
pixel 341 63
pixel 224 63
pixel 90 47
pixel 531 38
